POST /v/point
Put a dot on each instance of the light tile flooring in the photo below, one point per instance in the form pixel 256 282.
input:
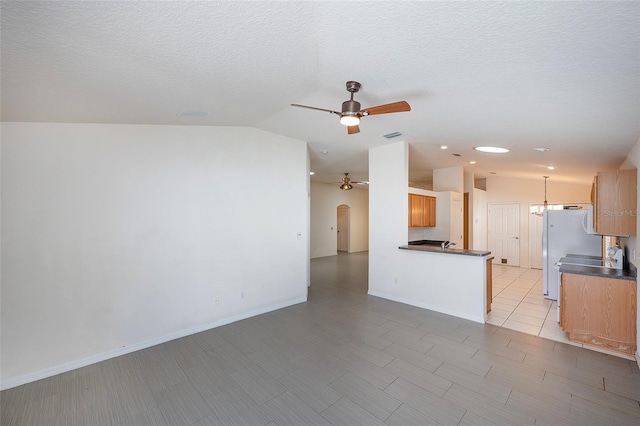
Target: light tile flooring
pixel 518 304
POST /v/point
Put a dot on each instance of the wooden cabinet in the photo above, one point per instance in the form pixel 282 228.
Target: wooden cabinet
pixel 598 311
pixel 422 211
pixel 615 196
pixel 430 211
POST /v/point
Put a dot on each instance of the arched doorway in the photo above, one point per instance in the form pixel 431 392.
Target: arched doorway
pixel 343 227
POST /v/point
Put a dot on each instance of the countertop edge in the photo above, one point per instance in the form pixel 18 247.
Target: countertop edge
pixel 435 249
pixel 620 274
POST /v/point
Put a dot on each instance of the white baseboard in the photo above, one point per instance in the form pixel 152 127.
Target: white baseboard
pixel 63 368
pixel 473 318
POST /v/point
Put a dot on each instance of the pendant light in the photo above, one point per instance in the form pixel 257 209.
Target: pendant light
pixel 545 191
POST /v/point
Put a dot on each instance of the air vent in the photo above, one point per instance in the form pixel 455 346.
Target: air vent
pixel 193 114
pixel 392 135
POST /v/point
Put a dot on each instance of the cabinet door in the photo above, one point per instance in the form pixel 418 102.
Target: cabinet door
pixel 430 211
pixel 616 202
pixel 599 311
pixel 416 211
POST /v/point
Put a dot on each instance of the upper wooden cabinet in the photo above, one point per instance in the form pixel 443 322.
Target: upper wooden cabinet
pixel 615 197
pixel 422 211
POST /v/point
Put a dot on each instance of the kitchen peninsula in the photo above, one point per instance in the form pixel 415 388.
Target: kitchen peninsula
pixel 449 280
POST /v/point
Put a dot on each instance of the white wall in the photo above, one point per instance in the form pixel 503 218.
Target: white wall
pixel 118 237
pixel 480 220
pixel 469 186
pixel 525 192
pixel 633 243
pixel 448 179
pixel 325 199
pixel 448 283
pixel 388 210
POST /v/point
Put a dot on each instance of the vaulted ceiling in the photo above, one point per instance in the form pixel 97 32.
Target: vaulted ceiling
pixel 521 75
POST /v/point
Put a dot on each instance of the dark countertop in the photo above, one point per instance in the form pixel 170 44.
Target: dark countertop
pixel 437 249
pixel 621 274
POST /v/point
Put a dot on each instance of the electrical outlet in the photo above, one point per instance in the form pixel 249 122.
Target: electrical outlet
pixel 215 300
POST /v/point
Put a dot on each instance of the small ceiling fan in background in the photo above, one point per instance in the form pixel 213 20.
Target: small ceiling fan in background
pixel 346 183
pixel 351 112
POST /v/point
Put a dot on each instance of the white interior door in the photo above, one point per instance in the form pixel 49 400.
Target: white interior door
pixel 343 228
pixel 504 233
pixel 535 240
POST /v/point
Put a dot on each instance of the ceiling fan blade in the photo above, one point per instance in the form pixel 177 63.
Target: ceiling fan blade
pixel 401 106
pixel 353 129
pixel 317 109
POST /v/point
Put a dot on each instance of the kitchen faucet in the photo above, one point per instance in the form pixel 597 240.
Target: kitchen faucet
pixel 446 244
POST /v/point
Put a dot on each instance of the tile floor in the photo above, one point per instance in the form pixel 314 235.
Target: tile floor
pixel 343 358
pixel 518 304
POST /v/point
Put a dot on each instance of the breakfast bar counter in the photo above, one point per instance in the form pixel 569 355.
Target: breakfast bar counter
pixel 437 249
pixel 448 280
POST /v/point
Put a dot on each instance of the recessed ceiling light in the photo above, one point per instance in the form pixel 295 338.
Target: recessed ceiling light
pixel 492 173
pixel 491 149
pixel 312 173
pixel 443 147
pixel 472 162
pixel 551 167
pixel 324 152
pixel 541 149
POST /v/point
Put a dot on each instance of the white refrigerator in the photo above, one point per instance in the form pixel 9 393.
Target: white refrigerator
pixel 563 233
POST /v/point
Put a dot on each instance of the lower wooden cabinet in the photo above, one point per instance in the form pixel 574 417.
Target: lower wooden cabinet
pixel 599 311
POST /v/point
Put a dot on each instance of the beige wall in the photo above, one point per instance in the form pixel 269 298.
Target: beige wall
pixel 325 199
pixel 526 192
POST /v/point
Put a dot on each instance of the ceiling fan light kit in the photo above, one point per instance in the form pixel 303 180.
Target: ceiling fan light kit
pixel 352 113
pixel 346 185
pixel 349 120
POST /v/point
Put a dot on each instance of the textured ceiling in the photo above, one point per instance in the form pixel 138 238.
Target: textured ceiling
pixel 562 75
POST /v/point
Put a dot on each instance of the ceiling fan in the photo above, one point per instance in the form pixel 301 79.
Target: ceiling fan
pixel 351 112
pixel 346 182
